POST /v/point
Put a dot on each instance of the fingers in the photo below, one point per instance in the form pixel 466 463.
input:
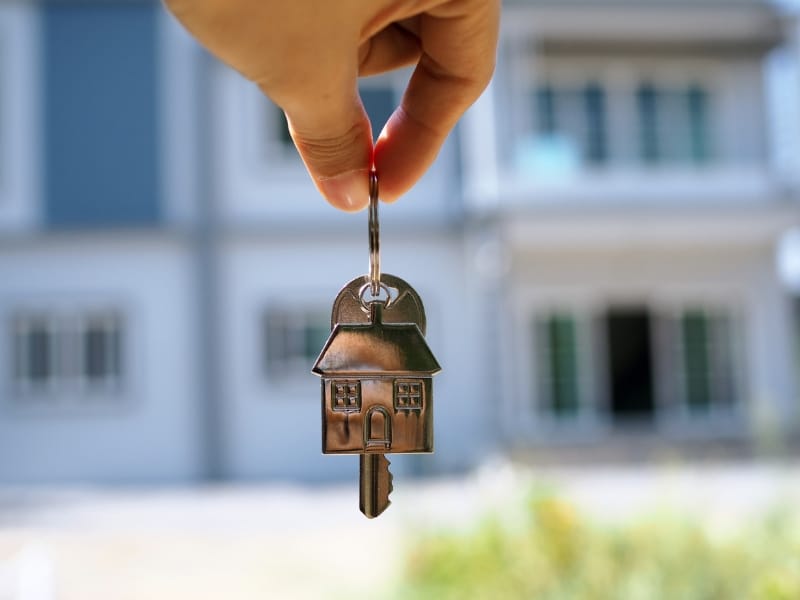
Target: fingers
pixel 333 137
pixel 458 41
pixel 307 56
pixel 330 128
pixel 392 48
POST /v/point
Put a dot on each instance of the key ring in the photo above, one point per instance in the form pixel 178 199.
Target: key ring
pixel 374 237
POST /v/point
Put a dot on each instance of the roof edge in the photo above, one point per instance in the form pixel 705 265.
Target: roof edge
pixel 375 374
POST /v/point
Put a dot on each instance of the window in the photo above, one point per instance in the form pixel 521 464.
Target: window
pixel 673 124
pixel 67 353
pixel 684 362
pixel 706 355
pixel 346 395
pixel 697 99
pixel 557 364
pixel 34 352
pixel 101 350
pixel 546 110
pixel 648 126
pixel 698 352
pixel 595 105
pixel 572 121
pixel 408 394
pixel 292 340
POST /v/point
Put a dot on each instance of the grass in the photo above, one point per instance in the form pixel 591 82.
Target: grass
pixel 550 552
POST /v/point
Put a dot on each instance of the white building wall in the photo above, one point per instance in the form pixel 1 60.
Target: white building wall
pixel 282 244
pixel 742 118
pixel 775 410
pixel 149 431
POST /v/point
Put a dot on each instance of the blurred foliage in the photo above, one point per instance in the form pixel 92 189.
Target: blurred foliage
pixel 550 553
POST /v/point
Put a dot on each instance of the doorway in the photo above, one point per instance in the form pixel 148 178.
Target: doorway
pixel 378 428
pixel 630 365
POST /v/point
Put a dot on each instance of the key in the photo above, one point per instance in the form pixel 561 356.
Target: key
pixel 374 484
pixel 377 391
pixel 377 374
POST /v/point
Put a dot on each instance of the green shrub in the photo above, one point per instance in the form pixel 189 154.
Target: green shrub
pixel 551 553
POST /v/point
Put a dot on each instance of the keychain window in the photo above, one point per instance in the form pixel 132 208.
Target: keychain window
pixel 346 395
pixel 408 394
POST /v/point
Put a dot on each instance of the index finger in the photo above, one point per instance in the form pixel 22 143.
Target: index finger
pixel 459 43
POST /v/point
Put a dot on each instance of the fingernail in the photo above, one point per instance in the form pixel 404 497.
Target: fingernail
pixel 348 191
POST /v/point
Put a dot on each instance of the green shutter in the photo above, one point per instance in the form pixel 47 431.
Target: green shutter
pixel 646 101
pixel 594 98
pixel 697 101
pixel 558 363
pixel 697 364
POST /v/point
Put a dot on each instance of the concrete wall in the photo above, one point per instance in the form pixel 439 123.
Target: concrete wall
pixel 147 432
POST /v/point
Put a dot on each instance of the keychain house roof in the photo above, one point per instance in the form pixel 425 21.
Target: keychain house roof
pixel 377 388
pixel 378 349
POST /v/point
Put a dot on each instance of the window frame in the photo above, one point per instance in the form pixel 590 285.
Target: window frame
pixel 523 410
pixel 659 151
pixel 352 398
pixel 111 326
pixel 68 382
pixel 409 395
pixel 548 328
pixel 619 76
pixel 588 414
pixel 19 339
pixel 587 105
pixel 718 358
pixel 297 323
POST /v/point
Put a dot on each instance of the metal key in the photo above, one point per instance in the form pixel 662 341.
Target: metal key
pixel 374 484
pixel 376 370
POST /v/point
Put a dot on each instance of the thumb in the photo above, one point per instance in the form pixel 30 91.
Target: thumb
pixel 332 133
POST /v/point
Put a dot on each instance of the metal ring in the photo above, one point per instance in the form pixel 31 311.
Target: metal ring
pixel 376 297
pixel 374 236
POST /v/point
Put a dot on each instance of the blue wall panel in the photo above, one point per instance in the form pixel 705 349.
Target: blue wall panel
pixel 101 135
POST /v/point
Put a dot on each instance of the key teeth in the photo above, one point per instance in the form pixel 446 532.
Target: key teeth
pixel 391 478
pixel 375 484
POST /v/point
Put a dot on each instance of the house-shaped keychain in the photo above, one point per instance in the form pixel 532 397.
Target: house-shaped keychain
pixel 377 390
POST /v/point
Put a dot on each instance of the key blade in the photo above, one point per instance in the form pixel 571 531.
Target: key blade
pixel 375 484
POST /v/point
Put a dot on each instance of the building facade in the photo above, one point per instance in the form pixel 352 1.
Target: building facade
pixel 595 247
pixel 642 190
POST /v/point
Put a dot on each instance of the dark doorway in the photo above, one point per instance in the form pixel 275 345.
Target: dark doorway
pixel 630 364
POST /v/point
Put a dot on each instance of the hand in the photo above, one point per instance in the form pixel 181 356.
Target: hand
pixel 307 55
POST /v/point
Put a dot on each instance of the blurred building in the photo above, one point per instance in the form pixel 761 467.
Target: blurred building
pixel 596 246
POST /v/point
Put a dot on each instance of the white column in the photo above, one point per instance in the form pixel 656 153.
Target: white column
pixel 479 152
pixel 783 108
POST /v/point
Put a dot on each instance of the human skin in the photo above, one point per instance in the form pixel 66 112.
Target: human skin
pixel 307 55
